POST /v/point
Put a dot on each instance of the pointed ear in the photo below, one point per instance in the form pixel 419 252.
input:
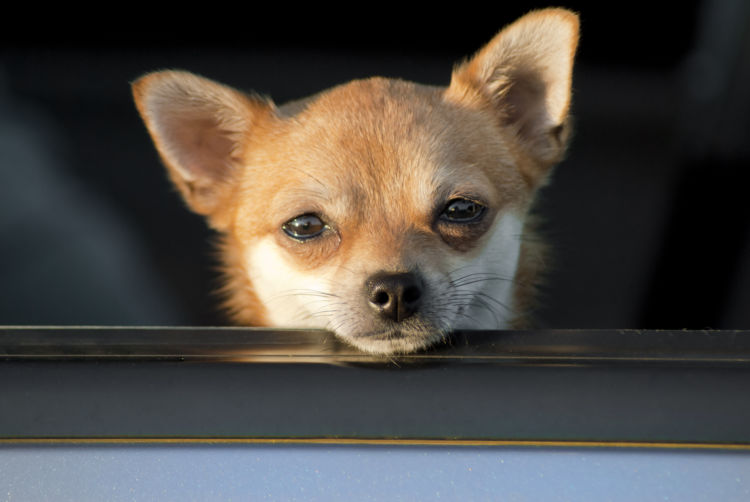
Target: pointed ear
pixel 523 76
pixel 199 128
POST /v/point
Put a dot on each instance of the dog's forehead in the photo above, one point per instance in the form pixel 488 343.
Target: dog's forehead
pixel 373 95
pixel 376 121
pixel 381 133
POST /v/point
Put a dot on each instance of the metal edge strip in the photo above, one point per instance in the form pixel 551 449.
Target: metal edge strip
pixel 334 441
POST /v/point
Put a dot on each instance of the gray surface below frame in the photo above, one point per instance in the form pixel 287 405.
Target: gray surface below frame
pixel 330 473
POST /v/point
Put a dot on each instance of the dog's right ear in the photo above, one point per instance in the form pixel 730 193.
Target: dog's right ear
pixel 523 77
pixel 200 129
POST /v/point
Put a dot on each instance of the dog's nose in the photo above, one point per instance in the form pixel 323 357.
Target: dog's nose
pixel 394 296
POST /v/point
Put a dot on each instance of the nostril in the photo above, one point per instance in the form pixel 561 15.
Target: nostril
pixel 381 298
pixel 412 294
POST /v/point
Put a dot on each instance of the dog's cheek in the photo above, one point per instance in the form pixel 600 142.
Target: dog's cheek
pixel 293 296
pixel 488 271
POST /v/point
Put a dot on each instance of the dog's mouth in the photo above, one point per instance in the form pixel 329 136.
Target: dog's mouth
pixel 389 334
pixel 395 340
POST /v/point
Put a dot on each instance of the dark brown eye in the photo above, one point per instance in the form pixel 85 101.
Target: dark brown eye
pixel 303 227
pixel 462 211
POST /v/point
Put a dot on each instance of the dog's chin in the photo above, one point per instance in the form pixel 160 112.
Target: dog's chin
pixel 394 341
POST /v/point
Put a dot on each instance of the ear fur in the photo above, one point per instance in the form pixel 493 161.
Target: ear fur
pixel 199 128
pixel 524 74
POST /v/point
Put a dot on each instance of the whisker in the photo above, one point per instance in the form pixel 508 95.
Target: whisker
pixel 284 295
pixel 479 301
pixel 490 298
pixel 311 177
pixel 485 279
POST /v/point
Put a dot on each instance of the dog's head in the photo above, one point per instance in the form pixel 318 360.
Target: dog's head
pixel 386 211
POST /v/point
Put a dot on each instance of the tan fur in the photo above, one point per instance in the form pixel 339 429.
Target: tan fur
pixel 532 265
pixel 376 158
pixel 239 298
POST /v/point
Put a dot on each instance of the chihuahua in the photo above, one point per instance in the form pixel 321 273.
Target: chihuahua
pixel 388 212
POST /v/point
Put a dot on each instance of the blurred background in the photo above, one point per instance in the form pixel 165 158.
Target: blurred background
pixel 648 216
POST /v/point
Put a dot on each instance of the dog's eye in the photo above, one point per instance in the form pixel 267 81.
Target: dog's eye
pixel 462 211
pixel 304 227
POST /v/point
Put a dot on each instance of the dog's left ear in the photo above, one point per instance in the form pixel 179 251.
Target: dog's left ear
pixel 200 128
pixel 523 76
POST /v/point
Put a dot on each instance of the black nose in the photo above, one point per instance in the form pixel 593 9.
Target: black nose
pixel 394 296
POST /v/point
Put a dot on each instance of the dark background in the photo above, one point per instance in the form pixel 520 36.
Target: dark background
pixel 648 215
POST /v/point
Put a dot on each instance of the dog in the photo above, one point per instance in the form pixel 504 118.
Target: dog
pixel 388 212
